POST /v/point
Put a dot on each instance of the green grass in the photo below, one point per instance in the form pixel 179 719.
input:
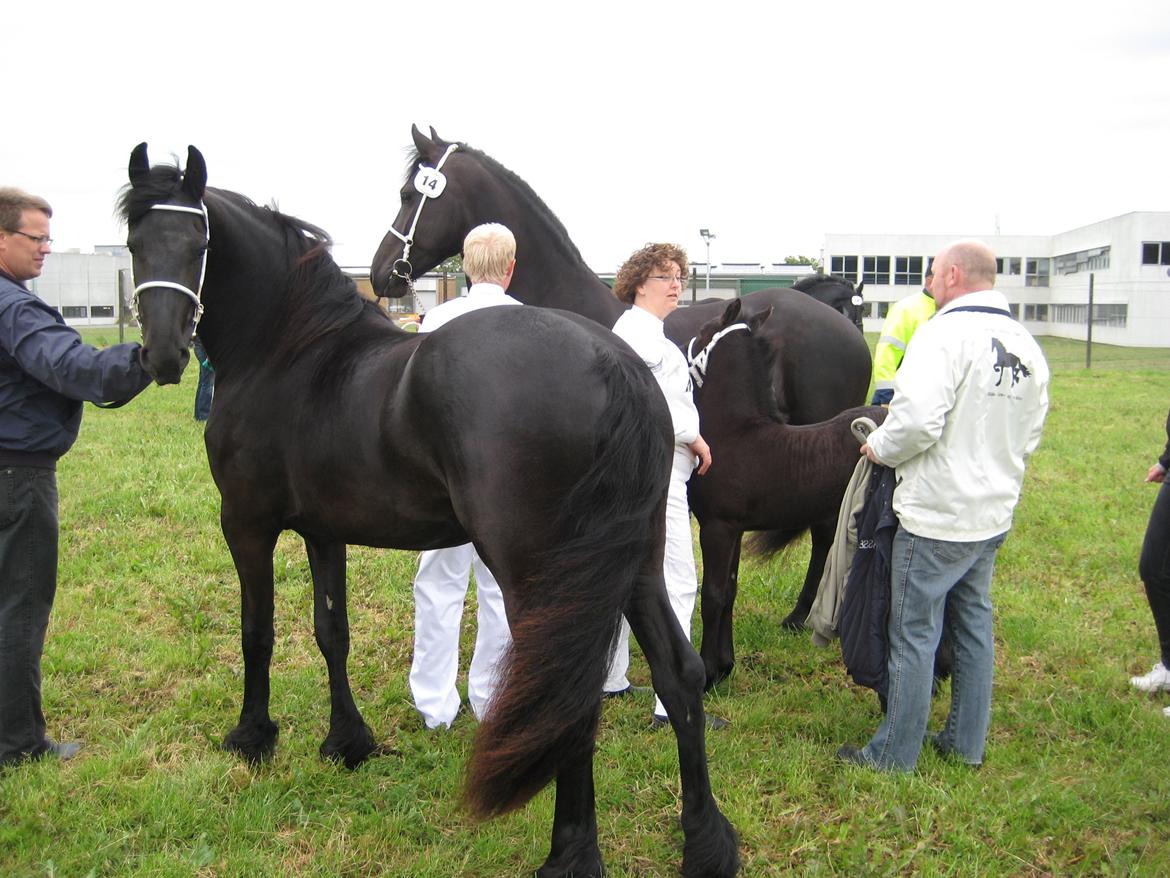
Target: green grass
pixel 142 663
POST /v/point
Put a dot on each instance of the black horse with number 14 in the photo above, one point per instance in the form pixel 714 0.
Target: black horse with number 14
pixel 532 433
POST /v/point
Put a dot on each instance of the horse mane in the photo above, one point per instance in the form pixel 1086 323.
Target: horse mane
pixel 511 177
pixel 810 281
pixel 762 357
pixel 319 297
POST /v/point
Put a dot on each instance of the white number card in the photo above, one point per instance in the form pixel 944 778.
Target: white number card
pixel 430 182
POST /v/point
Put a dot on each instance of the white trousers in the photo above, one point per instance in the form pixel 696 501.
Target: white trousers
pixel 678 568
pixel 440 588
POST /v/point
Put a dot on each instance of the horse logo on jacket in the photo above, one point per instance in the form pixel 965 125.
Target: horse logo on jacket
pixel 1004 359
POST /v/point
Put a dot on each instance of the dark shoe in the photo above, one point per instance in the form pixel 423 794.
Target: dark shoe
pixel 65 750
pixel 714 723
pixel 852 756
pixel 619 693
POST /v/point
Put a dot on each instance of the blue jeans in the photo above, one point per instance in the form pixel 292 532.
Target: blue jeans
pixel 28 584
pixel 928 576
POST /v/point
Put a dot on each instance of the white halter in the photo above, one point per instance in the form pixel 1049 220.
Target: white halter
pixel 436 183
pixel 698 362
pixel 193 295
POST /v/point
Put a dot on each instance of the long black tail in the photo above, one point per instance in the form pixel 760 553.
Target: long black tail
pixel 549 703
pixel 769 542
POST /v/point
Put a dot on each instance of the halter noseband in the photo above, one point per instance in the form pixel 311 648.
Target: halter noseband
pixel 193 295
pixel 437 183
pixel 698 362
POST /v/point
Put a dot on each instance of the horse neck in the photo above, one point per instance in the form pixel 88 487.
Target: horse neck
pixel 736 391
pixel 549 269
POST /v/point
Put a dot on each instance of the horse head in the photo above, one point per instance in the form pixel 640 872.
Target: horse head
pixel 714 331
pixel 167 234
pixel 836 292
pixel 430 226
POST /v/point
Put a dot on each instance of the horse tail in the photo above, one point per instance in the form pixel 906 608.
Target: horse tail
pixel 548 704
pixel 766 543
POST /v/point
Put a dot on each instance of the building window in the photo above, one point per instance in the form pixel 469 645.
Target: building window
pixel 1014 309
pixel 908 271
pixel 881 309
pixel 74 311
pixel 1083 260
pixel 1037 272
pixel 845 266
pixel 1103 315
pixel 1156 253
pixel 101 311
pixel 1036 312
pixel 876 270
pixel 1008 265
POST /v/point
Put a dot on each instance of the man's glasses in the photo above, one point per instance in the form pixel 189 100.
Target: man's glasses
pixel 39 240
pixel 668 278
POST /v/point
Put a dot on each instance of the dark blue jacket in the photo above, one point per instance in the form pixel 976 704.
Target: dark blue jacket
pixel 865 610
pixel 46 371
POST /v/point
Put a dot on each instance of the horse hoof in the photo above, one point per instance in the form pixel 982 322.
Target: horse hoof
pixel 714 678
pixel 794 621
pixel 256 742
pixel 354 750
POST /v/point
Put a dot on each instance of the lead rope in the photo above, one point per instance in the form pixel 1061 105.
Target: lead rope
pixel 408 238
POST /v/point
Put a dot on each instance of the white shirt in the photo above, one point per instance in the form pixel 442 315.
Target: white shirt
pixel 481 295
pixel 964 419
pixel 644 332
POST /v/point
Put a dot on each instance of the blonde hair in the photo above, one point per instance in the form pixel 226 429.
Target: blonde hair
pixel 14 202
pixel 636 269
pixel 488 250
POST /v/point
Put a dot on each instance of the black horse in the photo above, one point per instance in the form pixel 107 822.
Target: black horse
pixel 765 474
pixel 822 363
pixel 533 434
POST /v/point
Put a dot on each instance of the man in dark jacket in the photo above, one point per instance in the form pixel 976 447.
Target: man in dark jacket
pixel 46 371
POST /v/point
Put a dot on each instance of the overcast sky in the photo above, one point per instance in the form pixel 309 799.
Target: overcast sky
pixel 769 123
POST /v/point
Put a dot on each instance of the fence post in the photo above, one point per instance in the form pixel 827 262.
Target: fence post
pixel 1089 336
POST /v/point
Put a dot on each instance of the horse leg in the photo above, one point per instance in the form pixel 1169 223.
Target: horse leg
pixel 710 847
pixel 350 739
pixel 574 852
pixel 719 542
pixel 822 540
pixel 254 737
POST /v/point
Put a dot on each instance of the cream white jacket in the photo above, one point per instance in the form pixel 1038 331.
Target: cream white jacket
pixel 644 332
pixel 969 404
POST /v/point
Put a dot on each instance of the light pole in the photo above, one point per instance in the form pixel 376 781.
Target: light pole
pixel 708 236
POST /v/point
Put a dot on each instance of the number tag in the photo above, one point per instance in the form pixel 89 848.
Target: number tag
pixel 430 182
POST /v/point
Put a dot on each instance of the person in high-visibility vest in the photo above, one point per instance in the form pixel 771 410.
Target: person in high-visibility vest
pixel 904 317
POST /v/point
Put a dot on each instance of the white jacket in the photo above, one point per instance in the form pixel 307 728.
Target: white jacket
pixel 482 295
pixel 969 404
pixel 644 332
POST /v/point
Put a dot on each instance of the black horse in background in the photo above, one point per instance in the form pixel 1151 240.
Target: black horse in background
pixel 534 434
pixel 822 363
pixel 765 474
pixel 836 292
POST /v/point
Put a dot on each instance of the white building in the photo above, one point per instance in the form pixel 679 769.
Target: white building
pixel 1045 278
pixel 84 286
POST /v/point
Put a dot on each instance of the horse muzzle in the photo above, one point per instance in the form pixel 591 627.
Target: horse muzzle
pixel 165 366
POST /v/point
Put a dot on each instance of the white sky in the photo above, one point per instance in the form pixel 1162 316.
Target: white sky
pixel 769 123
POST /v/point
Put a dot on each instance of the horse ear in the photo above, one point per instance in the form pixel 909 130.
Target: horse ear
pixel 195 175
pixel 758 320
pixel 139 165
pixel 421 143
pixel 859 288
pixel 435 135
pixel 731 312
